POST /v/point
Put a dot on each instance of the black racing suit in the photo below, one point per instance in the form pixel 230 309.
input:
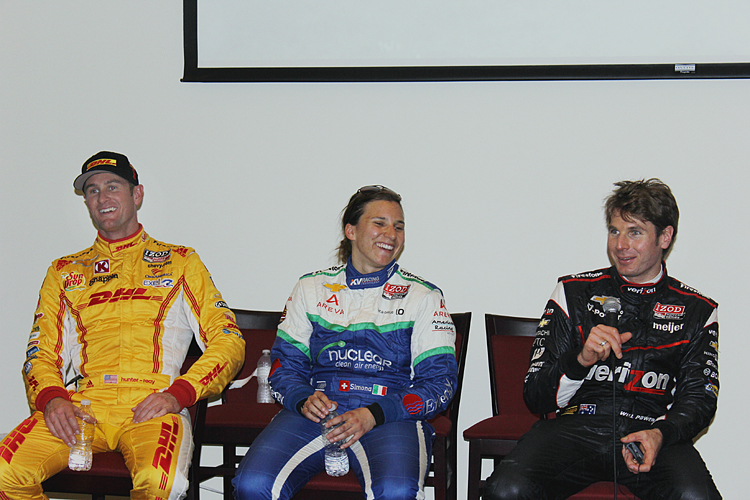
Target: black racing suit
pixel 667 379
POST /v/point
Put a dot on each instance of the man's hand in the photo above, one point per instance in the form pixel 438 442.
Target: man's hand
pixel 155 405
pixel 317 406
pixel 356 423
pixel 61 416
pixel 601 341
pixel 650 440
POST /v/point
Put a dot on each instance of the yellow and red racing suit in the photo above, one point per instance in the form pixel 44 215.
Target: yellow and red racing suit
pixel 118 318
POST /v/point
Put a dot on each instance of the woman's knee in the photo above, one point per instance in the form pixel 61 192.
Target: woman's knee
pixel 396 489
pixel 251 486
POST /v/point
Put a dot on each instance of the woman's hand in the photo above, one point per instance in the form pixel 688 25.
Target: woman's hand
pixel 355 424
pixel 317 406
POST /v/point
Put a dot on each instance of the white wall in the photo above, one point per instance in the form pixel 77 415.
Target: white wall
pixel 502 182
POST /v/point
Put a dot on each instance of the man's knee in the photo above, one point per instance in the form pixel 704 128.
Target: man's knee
pixel 504 485
pixel 150 484
pixel 8 478
pixel 14 484
pixel 695 491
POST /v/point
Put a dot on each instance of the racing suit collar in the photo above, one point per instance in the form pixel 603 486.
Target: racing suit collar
pixel 115 246
pixel 634 292
pixel 356 280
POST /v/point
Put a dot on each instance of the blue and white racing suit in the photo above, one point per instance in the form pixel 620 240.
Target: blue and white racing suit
pixel 383 340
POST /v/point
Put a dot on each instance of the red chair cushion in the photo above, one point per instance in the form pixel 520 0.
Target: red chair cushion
pixel 323 481
pixel 442 425
pixel 511 426
pixel 251 415
pixel 603 491
pixel 109 463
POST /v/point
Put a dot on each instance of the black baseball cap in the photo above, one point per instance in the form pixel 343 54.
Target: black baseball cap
pixel 106 161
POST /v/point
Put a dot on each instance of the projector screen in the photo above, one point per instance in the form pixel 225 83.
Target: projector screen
pixel 247 40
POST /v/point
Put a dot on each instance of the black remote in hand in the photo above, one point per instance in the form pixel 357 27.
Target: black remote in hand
pixel 635 450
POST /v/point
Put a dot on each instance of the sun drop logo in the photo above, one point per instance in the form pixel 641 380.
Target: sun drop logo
pixel 73 281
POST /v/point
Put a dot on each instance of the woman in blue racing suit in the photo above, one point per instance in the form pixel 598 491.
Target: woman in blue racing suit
pixel 370 340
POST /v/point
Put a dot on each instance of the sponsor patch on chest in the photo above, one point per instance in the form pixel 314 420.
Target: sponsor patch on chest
pixel 667 311
pixel 393 292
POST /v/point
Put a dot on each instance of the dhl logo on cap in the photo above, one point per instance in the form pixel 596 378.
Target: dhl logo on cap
pixel 103 161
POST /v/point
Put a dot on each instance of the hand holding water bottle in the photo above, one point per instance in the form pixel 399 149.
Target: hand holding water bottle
pixel 81 454
pixel 337 461
pixel 355 423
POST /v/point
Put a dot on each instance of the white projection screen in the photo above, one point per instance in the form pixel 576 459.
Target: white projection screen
pixel 389 40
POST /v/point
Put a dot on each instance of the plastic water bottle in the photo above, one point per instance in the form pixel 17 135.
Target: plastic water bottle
pixel 80 453
pixel 337 462
pixel 264 369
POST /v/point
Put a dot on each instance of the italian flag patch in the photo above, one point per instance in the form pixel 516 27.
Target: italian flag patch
pixel 379 390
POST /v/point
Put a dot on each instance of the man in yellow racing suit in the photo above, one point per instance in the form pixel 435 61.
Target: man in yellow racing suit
pixel 117 319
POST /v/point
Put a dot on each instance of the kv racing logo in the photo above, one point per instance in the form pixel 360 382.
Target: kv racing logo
pixel 120 294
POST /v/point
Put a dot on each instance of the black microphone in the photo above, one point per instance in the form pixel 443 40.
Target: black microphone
pixel 611 308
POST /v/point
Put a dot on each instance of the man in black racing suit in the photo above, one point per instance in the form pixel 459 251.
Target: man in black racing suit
pixel 665 366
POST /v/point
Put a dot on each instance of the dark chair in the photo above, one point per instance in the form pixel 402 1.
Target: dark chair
pixel 109 475
pixel 509 341
pixel 442 475
pixel 239 419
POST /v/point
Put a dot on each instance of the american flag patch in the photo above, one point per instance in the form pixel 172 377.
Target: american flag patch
pixel 110 379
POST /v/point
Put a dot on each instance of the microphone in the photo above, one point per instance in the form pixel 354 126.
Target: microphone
pixel 611 308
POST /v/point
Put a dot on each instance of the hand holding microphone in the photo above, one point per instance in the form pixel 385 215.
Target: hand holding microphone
pixel 605 338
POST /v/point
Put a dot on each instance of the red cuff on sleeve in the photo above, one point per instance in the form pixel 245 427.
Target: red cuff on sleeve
pixel 184 393
pixel 49 393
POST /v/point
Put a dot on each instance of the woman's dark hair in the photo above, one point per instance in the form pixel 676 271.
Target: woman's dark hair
pixel 648 200
pixel 356 207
